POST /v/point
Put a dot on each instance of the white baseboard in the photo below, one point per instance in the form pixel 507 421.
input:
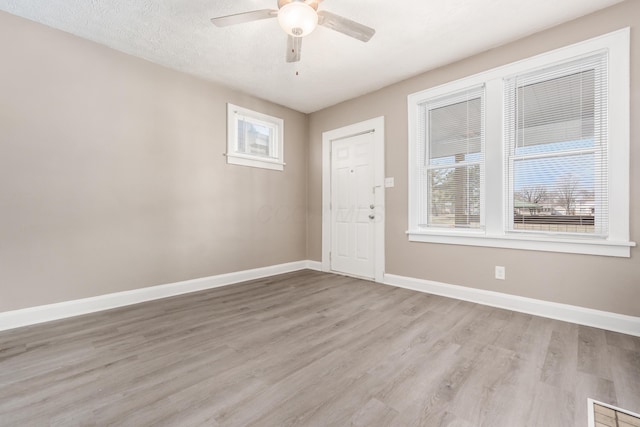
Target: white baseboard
pixel 568 313
pixel 46 313
pixel 314 265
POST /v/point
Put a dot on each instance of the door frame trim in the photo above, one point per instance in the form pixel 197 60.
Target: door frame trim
pixel 375 125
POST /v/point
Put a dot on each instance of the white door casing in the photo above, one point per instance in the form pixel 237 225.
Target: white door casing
pixel 353 200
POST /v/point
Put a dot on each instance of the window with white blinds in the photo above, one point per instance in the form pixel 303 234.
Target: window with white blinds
pixel 556 134
pixel 531 155
pixel 451 139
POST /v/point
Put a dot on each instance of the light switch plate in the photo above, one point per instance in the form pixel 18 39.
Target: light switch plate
pixel 389 182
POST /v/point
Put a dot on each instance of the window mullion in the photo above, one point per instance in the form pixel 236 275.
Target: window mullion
pixel 493 175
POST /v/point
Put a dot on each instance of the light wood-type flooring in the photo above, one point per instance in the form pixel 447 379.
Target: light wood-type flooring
pixel 312 349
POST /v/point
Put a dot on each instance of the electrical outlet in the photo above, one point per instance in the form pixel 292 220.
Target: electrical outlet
pixel 500 272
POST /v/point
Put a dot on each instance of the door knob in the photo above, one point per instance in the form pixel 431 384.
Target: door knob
pixel 372 206
pixel 372 216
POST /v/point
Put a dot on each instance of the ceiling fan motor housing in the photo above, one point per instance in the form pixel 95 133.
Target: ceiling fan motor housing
pixel 298 17
pixel 312 3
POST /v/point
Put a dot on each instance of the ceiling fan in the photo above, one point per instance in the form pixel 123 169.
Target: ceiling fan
pixel 299 18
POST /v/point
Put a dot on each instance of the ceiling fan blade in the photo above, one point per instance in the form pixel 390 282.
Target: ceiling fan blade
pixel 345 26
pixel 241 18
pixel 294 48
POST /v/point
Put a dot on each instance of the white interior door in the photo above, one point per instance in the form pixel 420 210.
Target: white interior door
pixel 353 205
pixel 352 182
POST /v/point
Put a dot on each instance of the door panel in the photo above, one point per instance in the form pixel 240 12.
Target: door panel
pixel 352 198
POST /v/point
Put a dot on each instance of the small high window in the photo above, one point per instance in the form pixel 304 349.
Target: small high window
pixel 254 139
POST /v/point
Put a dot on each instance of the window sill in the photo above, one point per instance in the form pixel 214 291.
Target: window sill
pixel 233 159
pixel 532 243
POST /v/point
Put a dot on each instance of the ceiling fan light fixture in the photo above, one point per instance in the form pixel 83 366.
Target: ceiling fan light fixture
pixel 297 18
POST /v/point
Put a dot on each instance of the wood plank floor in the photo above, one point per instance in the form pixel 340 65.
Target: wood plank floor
pixel 312 349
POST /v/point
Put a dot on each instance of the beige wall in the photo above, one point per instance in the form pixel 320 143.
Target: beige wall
pixel 604 283
pixel 112 175
pixel 112 178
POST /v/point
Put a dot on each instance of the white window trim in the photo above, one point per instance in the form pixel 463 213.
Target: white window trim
pixel 617 44
pixel 242 159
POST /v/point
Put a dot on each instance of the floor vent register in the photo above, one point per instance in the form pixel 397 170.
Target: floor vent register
pixel 604 415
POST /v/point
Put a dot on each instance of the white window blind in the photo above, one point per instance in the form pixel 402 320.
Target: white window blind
pixel 556 149
pixel 451 160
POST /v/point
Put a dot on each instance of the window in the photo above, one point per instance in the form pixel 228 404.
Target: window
pixel 254 139
pixel 532 155
pixel 451 160
pixel 556 135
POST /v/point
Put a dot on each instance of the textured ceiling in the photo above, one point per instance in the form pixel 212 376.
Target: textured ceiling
pixel 412 36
